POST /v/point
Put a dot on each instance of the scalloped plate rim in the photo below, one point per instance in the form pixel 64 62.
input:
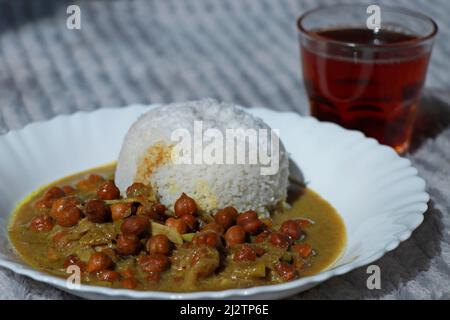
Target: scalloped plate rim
pixel 290 286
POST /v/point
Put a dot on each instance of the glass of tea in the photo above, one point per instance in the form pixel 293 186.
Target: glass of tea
pixel 364 67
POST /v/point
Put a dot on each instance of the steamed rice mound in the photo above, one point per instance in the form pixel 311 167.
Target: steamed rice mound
pixel 146 157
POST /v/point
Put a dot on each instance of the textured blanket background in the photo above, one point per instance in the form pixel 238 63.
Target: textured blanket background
pixel 240 50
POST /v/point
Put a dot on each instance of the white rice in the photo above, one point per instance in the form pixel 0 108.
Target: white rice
pixel 145 158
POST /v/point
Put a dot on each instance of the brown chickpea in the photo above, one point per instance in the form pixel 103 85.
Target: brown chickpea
pixel 99 261
pixel 159 209
pixel 43 203
pixel 54 193
pixel 108 275
pixel 90 183
pixel 108 191
pixel 69 217
pixel 185 205
pixel 49 197
pixel 215 227
pixel 246 216
pixel 292 229
pixel 135 225
pixel 252 226
pixel 69 190
pixel 154 262
pixel 66 212
pixel 62 204
pixel 190 221
pixel 226 217
pixel 42 223
pixel 129 283
pixel 286 271
pixel 260 252
pixel 261 237
pixel 155 212
pixel 304 223
pixel 97 211
pixel 127 273
pixel 121 210
pixel 159 244
pixel 138 190
pixel 209 238
pixel 179 225
pixel 279 240
pixel 245 253
pixel 234 235
pixel 127 244
pixel 73 260
pixel 95 178
pixel 111 253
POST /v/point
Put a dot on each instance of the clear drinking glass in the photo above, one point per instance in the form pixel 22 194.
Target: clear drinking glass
pixel 368 79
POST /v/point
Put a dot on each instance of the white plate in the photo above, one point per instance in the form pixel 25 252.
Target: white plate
pixel 378 193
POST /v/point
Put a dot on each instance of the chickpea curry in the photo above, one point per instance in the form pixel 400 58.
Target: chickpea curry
pixel 135 242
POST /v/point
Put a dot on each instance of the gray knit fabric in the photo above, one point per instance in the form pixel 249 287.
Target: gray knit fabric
pixel 243 51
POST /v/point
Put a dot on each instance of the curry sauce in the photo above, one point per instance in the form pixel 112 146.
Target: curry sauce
pixel 134 242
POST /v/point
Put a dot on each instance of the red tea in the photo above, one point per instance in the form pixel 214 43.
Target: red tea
pixel 374 91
